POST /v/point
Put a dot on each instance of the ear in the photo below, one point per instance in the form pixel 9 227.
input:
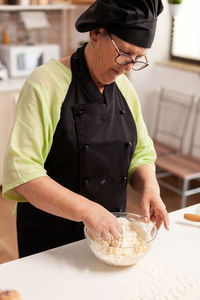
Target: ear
pixel 98 32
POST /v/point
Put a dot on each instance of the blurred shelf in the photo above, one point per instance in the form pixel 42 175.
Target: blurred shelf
pixel 62 6
pixel 88 2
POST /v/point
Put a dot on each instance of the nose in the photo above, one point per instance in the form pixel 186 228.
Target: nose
pixel 128 67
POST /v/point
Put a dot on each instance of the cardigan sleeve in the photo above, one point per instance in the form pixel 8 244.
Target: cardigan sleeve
pixel 37 114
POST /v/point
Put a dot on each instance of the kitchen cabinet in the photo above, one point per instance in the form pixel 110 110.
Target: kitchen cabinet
pixel 64 8
pixel 82 1
pixel 7 115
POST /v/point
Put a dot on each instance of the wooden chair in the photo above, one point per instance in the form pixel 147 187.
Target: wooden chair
pixel 174 109
pixel 185 167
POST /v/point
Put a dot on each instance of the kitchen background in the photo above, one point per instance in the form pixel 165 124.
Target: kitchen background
pixel 47 27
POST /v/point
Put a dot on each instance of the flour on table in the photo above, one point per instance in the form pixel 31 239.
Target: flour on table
pixel 152 280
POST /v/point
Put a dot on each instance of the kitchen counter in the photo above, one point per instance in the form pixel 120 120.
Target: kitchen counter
pixel 73 272
pixel 11 85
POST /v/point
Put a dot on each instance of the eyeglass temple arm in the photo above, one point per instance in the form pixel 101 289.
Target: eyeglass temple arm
pixel 114 43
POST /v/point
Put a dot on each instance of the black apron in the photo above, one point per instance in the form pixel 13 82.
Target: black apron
pixel 91 152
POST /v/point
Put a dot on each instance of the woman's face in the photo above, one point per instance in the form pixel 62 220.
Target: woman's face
pixel 101 61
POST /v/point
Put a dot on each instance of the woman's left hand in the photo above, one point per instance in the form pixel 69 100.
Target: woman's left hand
pixel 153 208
pixel 143 181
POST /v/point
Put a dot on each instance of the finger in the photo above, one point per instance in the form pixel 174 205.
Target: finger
pixel 116 228
pixel 153 218
pixel 119 227
pixel 115 233
pixel 158 222
pixel 105 235
pixel 94 235
pixel 146 212
pixel 165 218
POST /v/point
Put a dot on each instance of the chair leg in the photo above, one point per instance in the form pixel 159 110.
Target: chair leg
pixel 183 196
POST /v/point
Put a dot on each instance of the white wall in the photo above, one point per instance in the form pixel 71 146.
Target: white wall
pixel 144 81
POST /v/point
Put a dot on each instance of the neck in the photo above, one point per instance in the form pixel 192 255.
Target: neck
pixel 89 55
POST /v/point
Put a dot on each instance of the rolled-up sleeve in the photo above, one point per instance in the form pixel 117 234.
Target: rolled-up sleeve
pixel 29 142
pixel 37 114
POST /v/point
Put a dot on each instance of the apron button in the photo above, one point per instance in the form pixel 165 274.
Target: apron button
pixel 80 112
pixel 85 148
pixel 119 210
pixel 124 178
pixel 122 112
pixel 128 144
pixel 86 181
pixel 103 181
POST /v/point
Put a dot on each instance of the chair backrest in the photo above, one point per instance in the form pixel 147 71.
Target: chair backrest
pixel 195 138
pixel 174 109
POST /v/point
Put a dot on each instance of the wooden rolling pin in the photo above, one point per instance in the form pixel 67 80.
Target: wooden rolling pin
pixel 192 217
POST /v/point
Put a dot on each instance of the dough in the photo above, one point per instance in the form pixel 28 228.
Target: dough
pixel 131 246
pixel 10 295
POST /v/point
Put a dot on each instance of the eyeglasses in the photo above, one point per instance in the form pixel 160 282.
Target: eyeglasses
pixel 125 59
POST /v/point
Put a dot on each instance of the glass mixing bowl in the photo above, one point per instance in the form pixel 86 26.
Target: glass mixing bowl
pixel 137 234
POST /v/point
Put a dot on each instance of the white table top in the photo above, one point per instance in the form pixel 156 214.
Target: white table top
pixel 73 272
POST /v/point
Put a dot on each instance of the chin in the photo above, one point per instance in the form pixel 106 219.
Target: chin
pixel 108 80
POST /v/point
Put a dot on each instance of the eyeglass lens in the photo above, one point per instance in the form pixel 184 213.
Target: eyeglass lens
pixel 123 59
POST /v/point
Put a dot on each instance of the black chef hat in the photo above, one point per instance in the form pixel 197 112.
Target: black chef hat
pixel 133 21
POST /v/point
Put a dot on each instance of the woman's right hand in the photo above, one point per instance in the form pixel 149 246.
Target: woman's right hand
pixel 101 222
pixel 48 195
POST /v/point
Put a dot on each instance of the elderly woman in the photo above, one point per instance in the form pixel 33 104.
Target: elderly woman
pixel 79 136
